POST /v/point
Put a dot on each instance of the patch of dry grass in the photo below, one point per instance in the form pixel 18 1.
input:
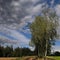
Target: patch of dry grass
pixel 25 58
pixel 7 58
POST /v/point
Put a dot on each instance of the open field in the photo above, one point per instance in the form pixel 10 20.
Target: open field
pixel 26 58
pixel 56 57
pixel 12 58
pixel 8 58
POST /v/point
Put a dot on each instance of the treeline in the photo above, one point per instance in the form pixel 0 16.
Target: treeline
pixel 17 52
pixel 57 53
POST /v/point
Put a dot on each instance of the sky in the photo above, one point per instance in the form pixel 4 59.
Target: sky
pixel 15 17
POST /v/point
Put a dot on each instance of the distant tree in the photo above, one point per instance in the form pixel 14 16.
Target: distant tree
pixel 17 52
pixel 57 53
pixel 8 51
pixel 1 51
pixel 26 52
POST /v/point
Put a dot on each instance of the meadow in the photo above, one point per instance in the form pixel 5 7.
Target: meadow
pixel 26 58
pixel 56 57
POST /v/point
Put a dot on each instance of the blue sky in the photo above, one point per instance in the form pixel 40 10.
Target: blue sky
pixel 15 17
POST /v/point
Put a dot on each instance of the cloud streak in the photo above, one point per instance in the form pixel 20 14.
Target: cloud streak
pixel 16 15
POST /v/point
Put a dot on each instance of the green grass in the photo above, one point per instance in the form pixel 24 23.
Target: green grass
pixel 53 57
pixel 57 57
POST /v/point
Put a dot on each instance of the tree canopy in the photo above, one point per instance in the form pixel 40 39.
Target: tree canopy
pixel 44 32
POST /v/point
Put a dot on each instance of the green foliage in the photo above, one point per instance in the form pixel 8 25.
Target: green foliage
pixel 17 52
pixel 44 32
pixel 8 51
pixel 56 53
pixel 1 51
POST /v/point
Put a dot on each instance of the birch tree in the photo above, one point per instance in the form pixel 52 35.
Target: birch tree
pixel 44 32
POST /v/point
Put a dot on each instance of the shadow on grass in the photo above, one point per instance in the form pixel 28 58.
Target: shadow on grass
pixel 31 58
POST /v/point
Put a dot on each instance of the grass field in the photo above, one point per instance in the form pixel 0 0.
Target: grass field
pixel 8 58
pixel 23 58
pixel 56 57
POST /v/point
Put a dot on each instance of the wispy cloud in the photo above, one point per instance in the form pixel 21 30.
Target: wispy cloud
pixel 15 16
pixel 56 48
pixel 13 36
pixel 57 8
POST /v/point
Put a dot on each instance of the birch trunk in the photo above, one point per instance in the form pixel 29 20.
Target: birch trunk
pixel 45 58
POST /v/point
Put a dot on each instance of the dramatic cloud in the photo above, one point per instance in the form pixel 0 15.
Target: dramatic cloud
pixel 15 17
pixel 13 37
pixel 4 39
pixel 57 8
pixel 56 48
